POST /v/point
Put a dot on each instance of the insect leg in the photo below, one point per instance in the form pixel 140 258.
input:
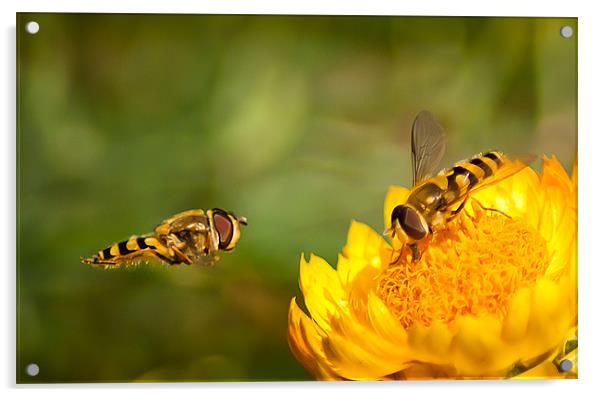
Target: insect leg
pixel 457 211
pixel 174 244
pixel 398 257
pixel 491 209
pixel 182 256
pixel 416 254
pixel 160 251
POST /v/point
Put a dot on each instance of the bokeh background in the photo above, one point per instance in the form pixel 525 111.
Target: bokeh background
pixel 298 123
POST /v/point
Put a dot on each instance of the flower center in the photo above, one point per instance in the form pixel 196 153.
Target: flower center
pixel 472 266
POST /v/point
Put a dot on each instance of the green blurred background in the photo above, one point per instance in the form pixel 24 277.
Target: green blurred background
pixel 298 123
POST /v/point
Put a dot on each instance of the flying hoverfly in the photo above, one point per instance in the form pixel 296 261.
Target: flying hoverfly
pixel 190 237
pixel 435 200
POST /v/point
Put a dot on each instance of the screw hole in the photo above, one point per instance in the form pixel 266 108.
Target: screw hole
pixel 566 31
pixel 32 369
pixel 565 365
pixel 32 27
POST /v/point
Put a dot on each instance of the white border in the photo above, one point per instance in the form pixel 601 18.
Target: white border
pixel 310 7
pixel 590 195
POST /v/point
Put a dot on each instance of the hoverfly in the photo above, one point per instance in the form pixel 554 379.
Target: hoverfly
pixel 435 200
pixel 190 237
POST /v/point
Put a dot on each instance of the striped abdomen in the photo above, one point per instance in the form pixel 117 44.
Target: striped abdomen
pixel 441 193
pixel 467 175
pixel 136 248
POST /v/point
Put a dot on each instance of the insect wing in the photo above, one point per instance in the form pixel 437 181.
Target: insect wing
pixel 428 146
pixel 206 260
pixel 181 220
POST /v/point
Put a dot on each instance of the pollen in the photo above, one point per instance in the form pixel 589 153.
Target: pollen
pixel 471 267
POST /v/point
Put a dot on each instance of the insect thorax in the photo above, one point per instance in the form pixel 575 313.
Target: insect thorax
pixel 426 197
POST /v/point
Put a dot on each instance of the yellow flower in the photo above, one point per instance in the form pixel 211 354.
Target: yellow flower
pixel 493 295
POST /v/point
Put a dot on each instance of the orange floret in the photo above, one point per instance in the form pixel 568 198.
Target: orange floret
pixel 472 266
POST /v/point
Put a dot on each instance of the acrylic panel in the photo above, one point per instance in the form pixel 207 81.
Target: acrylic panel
pixel 268 198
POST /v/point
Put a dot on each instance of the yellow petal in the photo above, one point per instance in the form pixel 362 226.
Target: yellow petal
pixel 511 195
pixel 360 260
pixel 305 342
pixel 347 269
pixel 553 174
pixel 478 347
pixel 561 242
pixel 574 176
pixel 423 371
pixel 517 319
pixel 431 344
pixel 549 317
pixel 363 243
pixel 396 195
pixel 356 352
pixel 383 322
pixel 322 291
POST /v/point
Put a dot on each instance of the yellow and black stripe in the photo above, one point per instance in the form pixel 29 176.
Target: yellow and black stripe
pixel 467 175
pixel 135 248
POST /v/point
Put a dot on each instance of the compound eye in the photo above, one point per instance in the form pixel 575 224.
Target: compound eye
pixel 410 221
pixel 224 228
pixel 396 215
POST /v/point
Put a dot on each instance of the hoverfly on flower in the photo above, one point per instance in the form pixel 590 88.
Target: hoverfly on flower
pixel 190 237
pixel 435 200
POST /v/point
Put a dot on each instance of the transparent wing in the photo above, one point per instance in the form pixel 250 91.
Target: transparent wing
pixel 206 260
pixel 428 146
pixel 181 221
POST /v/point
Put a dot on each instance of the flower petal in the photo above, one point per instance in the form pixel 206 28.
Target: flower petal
pixel 383 322
pixel 549 318
pixel 322 291
pixel 431 344
pixel 363 243
pixel 305 342
pixel 517 319
pixel 396 195
pixel 478 348
pixel 545 370
pixel 357 352
pixel 553 174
